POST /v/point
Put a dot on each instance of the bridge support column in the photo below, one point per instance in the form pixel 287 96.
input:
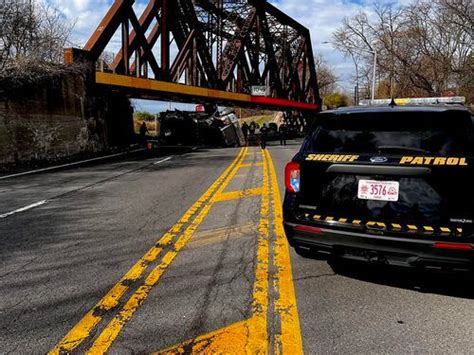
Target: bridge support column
pixel 101 108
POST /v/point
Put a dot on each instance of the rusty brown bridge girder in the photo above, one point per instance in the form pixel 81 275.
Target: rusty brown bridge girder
pixel 227 45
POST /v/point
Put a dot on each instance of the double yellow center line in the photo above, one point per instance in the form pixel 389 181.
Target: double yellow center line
pixel 260 334
pixel 84 328
pixel 251 335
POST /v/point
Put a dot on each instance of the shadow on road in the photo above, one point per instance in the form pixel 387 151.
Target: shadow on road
pixel 446 283
pixel 276 144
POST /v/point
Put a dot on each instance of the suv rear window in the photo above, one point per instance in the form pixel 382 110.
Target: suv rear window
pixel 435 133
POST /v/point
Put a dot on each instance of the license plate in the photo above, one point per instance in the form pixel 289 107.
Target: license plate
pixel 378 190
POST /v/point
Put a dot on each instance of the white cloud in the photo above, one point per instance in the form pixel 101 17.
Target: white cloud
pixel 322 18
pixel 85 14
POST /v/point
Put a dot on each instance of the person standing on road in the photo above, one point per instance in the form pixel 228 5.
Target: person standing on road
pixel 143 132
pixel 252 128
pixel 263 136
pixel 245 131
pixel 282 130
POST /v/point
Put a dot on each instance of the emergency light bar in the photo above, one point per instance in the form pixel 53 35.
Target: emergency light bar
pixel 454 100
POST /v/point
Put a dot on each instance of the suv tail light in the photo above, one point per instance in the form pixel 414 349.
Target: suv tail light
pixel 453 246
pixel 309 229
pixel 292 177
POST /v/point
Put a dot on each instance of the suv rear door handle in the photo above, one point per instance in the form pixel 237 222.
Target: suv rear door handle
pixel 377 170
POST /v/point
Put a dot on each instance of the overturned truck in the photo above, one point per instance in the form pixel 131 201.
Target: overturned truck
pixel 222 129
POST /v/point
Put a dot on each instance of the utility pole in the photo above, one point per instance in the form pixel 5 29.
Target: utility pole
pixel 356 93
pixel 373 74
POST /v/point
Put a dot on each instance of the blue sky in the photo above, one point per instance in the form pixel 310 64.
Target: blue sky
pixel 322 17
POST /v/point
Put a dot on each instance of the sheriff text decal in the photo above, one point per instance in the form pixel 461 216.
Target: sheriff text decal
pixel 332 157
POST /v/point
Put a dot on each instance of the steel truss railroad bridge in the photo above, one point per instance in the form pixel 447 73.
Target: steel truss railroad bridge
pixel 206 51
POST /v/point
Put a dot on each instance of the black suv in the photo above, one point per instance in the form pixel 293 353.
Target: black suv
pixel 391 185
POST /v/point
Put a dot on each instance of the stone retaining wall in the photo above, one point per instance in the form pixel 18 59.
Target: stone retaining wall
pixel 59 118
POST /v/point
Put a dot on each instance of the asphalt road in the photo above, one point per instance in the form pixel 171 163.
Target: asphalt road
pixel 187 255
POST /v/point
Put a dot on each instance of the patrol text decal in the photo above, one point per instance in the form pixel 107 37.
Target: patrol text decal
pixel 408 160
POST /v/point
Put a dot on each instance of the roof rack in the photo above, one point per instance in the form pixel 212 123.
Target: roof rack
pixel 451 100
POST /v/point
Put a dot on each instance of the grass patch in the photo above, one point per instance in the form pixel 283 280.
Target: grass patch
pixel 261 119
pixel 152 129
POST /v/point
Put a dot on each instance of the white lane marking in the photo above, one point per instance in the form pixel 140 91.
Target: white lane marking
pixel 37 204
pixel 67 165
pixel 23 209
pixel 162 161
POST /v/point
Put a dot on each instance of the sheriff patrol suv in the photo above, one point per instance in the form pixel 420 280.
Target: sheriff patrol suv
pixel 392 185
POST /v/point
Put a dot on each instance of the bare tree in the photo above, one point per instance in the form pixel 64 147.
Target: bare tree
pixel 31 30
pixel 54 33
pixel 461 12
pixel 355 38
pixel 17 28
pixel 327 79
pixel 423 49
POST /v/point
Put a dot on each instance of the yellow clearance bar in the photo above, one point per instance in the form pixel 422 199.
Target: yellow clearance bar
pixel 194 92
pixel 165 87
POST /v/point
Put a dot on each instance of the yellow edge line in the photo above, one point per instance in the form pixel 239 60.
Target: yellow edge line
pixel 82 330
pixel 112 330
pixel 290 341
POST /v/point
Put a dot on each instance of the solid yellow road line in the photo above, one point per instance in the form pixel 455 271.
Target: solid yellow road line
pixel 112 330
pixel 235 195
pixel 258 342
pixel 82 330
pixel 289 342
